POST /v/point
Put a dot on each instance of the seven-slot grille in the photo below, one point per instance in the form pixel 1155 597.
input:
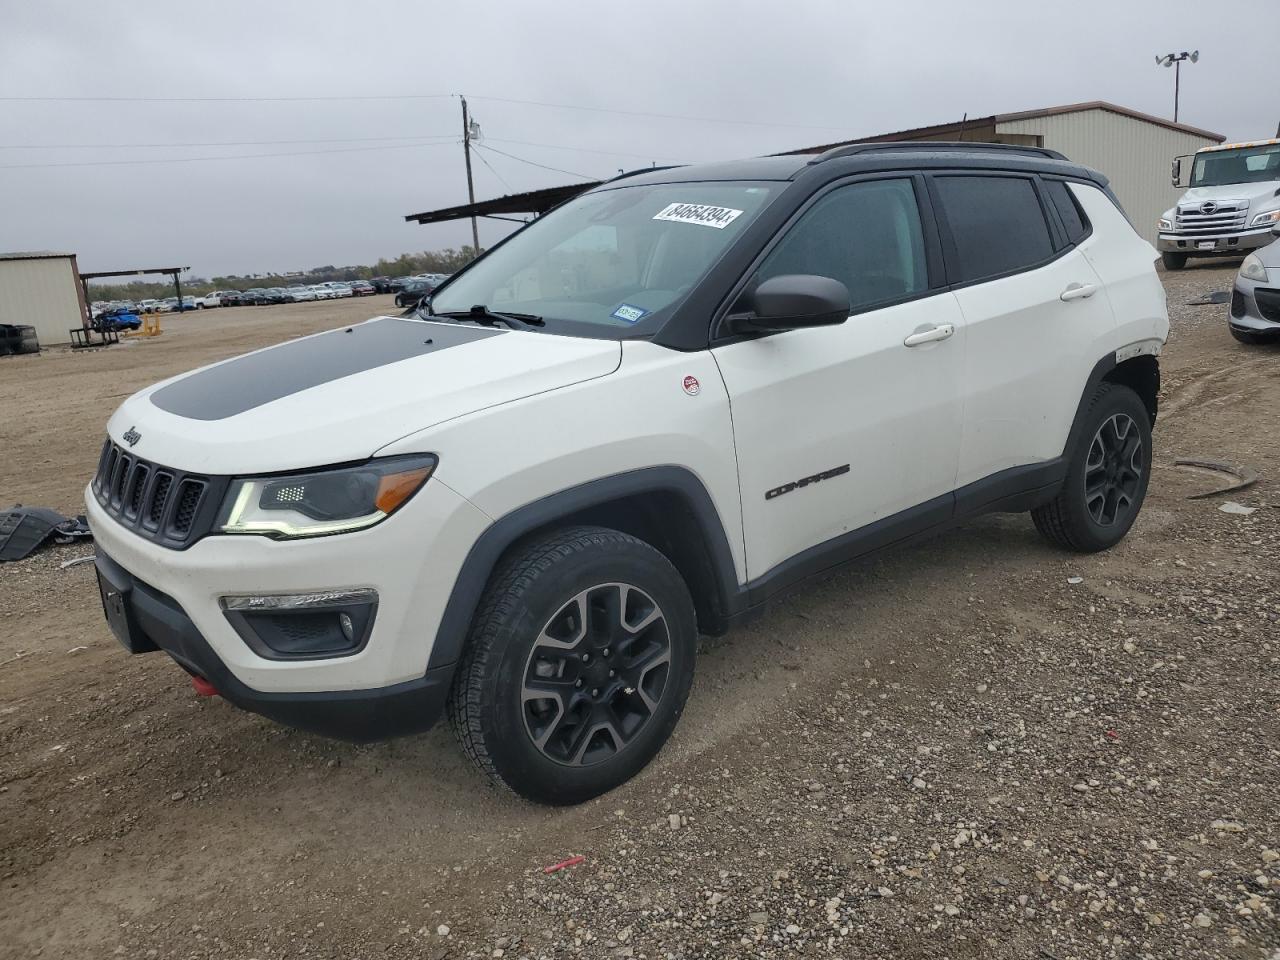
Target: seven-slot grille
pixel 1210 218
pixel 156 502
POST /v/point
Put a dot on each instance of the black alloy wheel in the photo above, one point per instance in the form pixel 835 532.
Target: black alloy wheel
pixel 596 674
pixel 1113 471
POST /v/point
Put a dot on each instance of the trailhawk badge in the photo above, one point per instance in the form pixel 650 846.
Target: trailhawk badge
pixel 131 436
pixel 691 386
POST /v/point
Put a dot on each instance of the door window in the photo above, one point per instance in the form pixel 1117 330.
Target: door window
pixel 997 225
pixel 866 235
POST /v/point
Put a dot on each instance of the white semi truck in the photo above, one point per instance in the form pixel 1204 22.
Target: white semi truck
pixel 1232 204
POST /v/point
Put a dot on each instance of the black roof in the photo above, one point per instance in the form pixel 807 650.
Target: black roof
pixel 859 158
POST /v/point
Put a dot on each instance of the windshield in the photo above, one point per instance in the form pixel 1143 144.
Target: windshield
pixel 1244 165
pixel 613 262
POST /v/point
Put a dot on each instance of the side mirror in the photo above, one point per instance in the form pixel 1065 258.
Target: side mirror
pixel 792 302
pixel 1176 171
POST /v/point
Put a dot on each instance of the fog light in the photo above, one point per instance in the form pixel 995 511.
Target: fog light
pixel 303 626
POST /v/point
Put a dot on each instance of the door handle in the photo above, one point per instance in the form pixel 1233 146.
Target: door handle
pixel 1077 291
pixel 941 332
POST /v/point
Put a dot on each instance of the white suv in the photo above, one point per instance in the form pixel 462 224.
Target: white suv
pixel 638 418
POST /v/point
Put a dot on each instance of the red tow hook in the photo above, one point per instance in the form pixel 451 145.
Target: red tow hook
pixel 203 687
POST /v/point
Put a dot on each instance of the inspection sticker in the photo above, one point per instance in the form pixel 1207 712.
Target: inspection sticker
pixel 629 313
pixel 718 217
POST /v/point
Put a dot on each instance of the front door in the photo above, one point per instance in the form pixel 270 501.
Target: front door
pixel 840 427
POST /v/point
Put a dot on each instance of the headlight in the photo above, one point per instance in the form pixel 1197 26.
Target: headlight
pixel 1252 268
pixel 1163 224
pixel 323 501
pixel 1262 219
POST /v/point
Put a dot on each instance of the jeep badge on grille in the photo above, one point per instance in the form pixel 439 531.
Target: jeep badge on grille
pixel 131 437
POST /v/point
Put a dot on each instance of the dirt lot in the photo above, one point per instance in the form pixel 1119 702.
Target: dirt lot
pixel 955 750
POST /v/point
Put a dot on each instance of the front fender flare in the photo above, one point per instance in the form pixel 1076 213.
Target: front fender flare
pixel 487 551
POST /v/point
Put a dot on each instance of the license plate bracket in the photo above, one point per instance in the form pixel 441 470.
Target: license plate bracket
pixel 118 610
pixel 1206 244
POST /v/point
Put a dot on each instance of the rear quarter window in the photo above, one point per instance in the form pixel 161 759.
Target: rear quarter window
pixel 1073 218
pixel 996 223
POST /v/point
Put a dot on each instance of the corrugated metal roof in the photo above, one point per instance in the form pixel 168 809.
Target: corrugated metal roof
pixel 36 255
pixel 1110 108
pixel 957 128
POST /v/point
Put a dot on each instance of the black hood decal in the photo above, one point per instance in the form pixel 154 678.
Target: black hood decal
pixel 250 381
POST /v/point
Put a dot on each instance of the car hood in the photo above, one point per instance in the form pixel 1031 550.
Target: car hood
pixel 1253 192
pixel 341 395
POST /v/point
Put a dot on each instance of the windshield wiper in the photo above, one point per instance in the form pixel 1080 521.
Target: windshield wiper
pixel 486 317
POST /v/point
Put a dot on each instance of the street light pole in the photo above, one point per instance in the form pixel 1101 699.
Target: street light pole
pixel 1175 60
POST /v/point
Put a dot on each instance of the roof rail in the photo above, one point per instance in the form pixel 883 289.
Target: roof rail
pixel 639 170
pixel 935 146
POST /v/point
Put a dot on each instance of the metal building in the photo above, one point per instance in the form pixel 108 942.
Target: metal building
pixel 1133 149
pixel 42 290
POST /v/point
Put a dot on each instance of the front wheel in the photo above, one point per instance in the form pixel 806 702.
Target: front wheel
pixel 1173 261
pixel 577 667
pixel 1107 476
pixel 1244 336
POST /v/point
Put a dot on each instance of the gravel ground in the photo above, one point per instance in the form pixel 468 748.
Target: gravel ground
pixel 974 747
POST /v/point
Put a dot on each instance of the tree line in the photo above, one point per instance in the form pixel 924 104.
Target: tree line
pixel 449 260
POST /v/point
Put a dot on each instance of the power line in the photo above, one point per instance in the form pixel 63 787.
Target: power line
pixel 660 116
pixel 481 158
pixel 234 156
pixel 604 153
pixel 427 96
pixel 213 143
pixel 393 96
pixel 543 166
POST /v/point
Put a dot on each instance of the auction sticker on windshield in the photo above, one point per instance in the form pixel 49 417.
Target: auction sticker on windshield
pixel 700 213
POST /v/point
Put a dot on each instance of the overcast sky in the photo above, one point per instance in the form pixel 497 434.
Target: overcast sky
pixel 791 74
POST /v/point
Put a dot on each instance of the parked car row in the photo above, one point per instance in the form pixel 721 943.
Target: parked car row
pixel 297 293
pixel 167 305
pixel 408 291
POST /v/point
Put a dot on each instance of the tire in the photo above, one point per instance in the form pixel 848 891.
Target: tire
pixel 1107 476
pixel 1253 339
pixel 1173 261
pixel 582 592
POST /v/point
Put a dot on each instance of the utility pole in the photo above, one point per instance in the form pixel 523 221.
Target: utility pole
pixel 471 188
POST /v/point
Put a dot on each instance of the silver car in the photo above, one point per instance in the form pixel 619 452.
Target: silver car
pixel 1255 299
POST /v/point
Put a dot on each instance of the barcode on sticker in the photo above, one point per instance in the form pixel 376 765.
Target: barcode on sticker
pixel 718 217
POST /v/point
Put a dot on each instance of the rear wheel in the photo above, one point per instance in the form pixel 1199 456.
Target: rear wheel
pixel 578 665
pixel 1106 478
pixel 1173 261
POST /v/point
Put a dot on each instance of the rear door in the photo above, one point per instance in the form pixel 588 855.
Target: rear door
pixel 1033 310
pixel 839 427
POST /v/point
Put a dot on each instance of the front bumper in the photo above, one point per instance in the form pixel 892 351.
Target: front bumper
pixel 158 622
pixel 1246 314
pixel 411 561
pixel 1218 245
